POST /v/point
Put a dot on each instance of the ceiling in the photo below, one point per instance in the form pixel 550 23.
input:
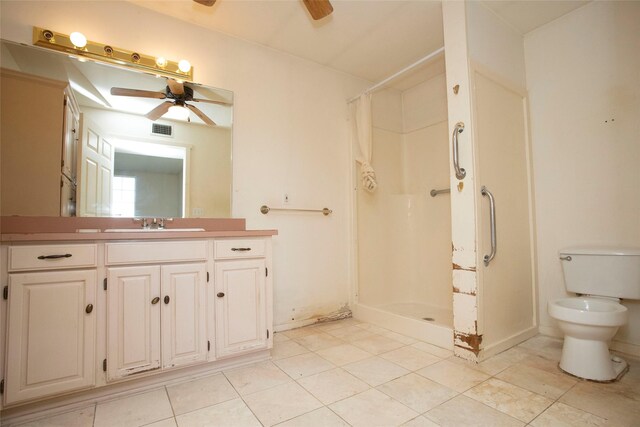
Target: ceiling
pixel 370 39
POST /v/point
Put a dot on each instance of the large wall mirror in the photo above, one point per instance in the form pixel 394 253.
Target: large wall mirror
pixel 72 145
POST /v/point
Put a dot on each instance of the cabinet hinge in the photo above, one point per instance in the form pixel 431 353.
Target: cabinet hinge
pixel 104 284
pixel 208 345
pixel 2 387
pixel 267 334
pixel 104 365
pixel 207 277
pixel 5 292
pixel 266 272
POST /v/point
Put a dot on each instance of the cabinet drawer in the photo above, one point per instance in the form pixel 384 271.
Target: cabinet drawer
pixel 52 257
pixel 147 252
pixel 239 248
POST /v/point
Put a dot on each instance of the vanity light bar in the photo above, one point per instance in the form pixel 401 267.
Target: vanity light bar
pixel 110 54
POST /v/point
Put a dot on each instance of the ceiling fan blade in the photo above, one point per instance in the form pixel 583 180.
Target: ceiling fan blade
pixel 201 115
pixel 209 101
pixel 205 2
pixel 175 87
pixel 120 91
pixel 318 8
pixel 159 111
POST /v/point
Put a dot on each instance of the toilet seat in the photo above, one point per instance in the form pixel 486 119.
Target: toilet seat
pixel 589 311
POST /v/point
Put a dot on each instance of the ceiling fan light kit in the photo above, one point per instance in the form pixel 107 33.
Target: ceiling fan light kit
pixel 77 44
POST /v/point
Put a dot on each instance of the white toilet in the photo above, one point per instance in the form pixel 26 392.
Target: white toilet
pixel 600 277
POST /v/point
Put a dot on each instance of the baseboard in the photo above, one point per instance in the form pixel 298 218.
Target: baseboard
pixel 507 343
pixel 81 399
pixel 440 336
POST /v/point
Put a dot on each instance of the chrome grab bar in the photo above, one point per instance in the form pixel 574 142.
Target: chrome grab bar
pixel 435 192
pixel 460 172
pixel 265 210
pixel 492 219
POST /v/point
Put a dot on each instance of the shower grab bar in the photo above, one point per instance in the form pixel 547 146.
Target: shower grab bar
pixel 460 172
pixel 435 192
pixel 265 210
pixel 492 219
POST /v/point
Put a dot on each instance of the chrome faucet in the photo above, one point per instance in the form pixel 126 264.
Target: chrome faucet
pixel 163 221
pixel 153 223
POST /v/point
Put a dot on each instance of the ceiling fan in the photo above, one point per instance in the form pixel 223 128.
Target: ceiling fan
pixel 317 8
pixel 177 92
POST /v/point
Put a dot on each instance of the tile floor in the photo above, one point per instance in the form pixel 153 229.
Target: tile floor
pixel 352 373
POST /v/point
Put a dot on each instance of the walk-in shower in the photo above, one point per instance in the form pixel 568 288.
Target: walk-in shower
pixel 403 232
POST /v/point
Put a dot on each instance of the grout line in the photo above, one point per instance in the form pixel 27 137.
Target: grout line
pixel 95 410
pixel 166 391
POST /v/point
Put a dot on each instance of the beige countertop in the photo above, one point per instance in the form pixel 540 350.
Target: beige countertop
pixel 140 235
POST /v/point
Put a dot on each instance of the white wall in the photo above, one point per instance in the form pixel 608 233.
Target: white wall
pixel 290 135
pixel 582 77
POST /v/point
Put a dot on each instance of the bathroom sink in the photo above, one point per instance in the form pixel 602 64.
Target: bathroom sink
pixel 149 230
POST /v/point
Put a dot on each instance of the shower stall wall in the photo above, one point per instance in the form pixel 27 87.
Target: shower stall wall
pixel 404 233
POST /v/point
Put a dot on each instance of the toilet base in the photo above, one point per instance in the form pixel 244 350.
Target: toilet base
pixel 590 360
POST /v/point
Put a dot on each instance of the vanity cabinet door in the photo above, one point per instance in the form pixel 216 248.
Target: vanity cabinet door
pixel 51 334
pixel 184 321
pixel 133 320
pixel 240 306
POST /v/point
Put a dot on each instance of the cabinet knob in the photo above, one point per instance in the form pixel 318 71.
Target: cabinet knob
pixel 155 300
pixel 220 294
pixel 167 299
pixel 89 308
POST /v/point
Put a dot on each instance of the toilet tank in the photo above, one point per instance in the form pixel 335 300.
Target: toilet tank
pixel 603 272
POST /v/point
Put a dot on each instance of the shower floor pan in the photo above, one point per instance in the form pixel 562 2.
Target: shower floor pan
pixel 407 319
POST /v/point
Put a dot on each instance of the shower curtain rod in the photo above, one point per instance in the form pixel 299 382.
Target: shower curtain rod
pixel 399 73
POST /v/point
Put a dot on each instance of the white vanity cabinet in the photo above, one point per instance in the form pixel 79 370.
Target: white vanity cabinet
pixel 129 313
pixel 156 314
pixel 242 322
pixel 51 324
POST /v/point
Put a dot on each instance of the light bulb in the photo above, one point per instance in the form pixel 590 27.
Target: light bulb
pixel 161 62
pixel 78 39
pixel 184 65
pixel 177 112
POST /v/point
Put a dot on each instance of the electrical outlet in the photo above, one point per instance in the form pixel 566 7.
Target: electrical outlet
pixel 197 212
pixel 285 199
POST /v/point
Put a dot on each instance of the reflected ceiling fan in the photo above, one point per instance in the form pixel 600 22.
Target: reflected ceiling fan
pixel 177 92
pixel 317 8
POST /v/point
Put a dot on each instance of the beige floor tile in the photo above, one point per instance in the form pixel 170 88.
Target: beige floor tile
pixel 417 392
pixel 333 385
pixel 79 418
pixel 169 422
pixel 619 407
pixel 463 411
pixel 286 349
pixel 343 354
pixel 551 385
pixel 548 347
pixel 435 350
pixel 299 332
pixel 561 415
pixel 376 344
pixel 318 341
pixel 399 337
pixel 304 365
pixel 457 377
pixel 256 377
pixel 231 413
pixel 375 371
pixel 373 328
pixel 372 408
pixel 350 333
pixel 280 337
pixel 497 363
pixel 510 399
pixel 410 358
pixel 336 324
pixel 420 421
pixel 323 417
pixel 136 410
pixel 281 403
pixel 196 394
